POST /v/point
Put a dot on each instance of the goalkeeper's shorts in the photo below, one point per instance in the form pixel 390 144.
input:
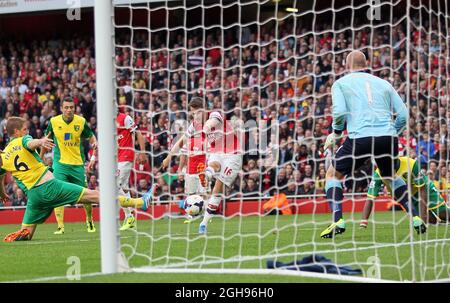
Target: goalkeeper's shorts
pixel 44 198
pixel 355 152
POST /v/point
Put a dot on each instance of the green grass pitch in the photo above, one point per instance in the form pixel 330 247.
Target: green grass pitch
pixel 255 239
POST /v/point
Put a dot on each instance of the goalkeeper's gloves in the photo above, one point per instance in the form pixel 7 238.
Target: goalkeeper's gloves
pixel 332 139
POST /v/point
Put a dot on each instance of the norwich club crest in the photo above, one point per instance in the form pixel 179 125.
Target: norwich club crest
pixel 76 127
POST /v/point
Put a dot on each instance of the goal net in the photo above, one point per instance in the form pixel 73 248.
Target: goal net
pixel 268 66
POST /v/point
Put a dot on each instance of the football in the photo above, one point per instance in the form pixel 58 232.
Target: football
pixel 194 205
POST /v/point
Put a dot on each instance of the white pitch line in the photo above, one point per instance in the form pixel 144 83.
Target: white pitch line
pixel 53 278
pixel 57 241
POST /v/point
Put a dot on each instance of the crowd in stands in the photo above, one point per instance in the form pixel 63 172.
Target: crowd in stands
pixel 285 82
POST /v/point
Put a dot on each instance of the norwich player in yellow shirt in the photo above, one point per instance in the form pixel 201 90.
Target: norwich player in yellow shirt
pixel 67 130
pixel 43 190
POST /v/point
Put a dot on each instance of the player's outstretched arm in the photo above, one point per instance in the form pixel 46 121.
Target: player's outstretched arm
pixel 92 161
pixel 339 112
pixel 141 141
pixel 175 148
pixel 399 109
pixel 339 109
pixel 43 149
pixel 44 142
pixel 182 165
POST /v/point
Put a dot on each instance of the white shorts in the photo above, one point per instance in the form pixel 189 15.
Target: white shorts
pixel 230 165
pixel 123 174
pixel 192 185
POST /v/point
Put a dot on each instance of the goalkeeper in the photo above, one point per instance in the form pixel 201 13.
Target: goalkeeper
pixel 44 192
pixel 435 210
pixel 366 104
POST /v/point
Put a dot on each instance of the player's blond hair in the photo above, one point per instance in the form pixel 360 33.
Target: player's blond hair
pixel 14 123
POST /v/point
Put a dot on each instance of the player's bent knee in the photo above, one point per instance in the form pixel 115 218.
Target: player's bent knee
pixel 214 165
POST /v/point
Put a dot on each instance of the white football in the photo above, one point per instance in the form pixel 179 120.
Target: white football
pixel 194 205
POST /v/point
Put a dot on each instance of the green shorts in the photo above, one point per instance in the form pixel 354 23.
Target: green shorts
pixel 44 198
pixel 74 174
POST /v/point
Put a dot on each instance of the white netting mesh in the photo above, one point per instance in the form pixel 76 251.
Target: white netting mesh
pixel 271 70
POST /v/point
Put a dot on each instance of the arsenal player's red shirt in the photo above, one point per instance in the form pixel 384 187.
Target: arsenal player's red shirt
pixel 195 148
pixel 125 131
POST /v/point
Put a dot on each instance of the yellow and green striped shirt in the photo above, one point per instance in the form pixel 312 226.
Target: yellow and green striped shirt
pixel 67 137
pixel 25 165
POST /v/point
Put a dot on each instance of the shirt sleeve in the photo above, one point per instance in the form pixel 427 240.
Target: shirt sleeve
pixel 25 140
pixel 190 131
pixel 374 186
pixel 399 109
pixel 129 124
pixel 87 131
pixel 339 107
pixel 217 116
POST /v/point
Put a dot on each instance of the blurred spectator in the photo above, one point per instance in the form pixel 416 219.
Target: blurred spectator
pixel 251 189
pixel 320 181
pixel 442 185
pixel 143 186
pixel 308 172
pixel 19 198
pixel 445 186
pixel 425 150
pixel 165 194
pixel 159 154
pixel 433 168
pixel 93 184
pixel 141 171
pixel 281 180
pixel 307 188
pixel 291 189
pixel 442 154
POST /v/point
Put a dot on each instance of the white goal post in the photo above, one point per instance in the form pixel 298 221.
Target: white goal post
pixel 107 146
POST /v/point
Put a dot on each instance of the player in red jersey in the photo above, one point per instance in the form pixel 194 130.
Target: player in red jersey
pixel 194 140
pixel 126 129
pixel 225 158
